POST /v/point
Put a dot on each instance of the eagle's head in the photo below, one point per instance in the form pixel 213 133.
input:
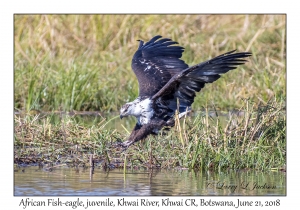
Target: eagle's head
pixel 126 110
pixel 135 108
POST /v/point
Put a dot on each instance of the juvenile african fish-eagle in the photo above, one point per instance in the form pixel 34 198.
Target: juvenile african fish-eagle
pixel 167 84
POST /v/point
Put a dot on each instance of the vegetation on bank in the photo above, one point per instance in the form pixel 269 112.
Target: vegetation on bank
pixel 254 139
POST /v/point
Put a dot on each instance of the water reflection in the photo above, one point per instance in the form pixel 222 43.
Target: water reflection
pixel 68 181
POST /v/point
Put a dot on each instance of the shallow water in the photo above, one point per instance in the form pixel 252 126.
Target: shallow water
pixel 33 180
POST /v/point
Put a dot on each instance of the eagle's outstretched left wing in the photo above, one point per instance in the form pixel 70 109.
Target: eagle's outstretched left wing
pixel 184 85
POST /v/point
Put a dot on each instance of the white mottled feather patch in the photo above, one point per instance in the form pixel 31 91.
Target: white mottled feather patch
pixel 146 111
pixel 142 110
pixel 147 68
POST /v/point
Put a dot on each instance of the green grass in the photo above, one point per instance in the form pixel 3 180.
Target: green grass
pixel 83 62
pixel 255 140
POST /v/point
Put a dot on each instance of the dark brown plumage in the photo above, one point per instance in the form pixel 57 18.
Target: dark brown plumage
pixel 166 84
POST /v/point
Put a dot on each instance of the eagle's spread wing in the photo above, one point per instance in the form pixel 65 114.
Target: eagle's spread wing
pixel 183 85
pixel 155 62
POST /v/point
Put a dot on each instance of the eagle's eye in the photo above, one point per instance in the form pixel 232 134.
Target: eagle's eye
pixel 125 107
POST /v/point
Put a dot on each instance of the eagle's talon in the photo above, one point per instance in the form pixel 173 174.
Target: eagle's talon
pixel 127 143
pixel 124 145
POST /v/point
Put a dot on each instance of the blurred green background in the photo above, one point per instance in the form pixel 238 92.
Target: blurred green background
pixel 83 62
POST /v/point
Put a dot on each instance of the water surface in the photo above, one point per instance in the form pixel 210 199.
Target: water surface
pixel 29 181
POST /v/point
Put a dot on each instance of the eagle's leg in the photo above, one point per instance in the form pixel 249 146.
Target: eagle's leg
pixel 142 132
pixel 171 122
pixel 182 114
pixel 135 130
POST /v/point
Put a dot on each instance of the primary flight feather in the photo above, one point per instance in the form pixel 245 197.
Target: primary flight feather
pixel 167 84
